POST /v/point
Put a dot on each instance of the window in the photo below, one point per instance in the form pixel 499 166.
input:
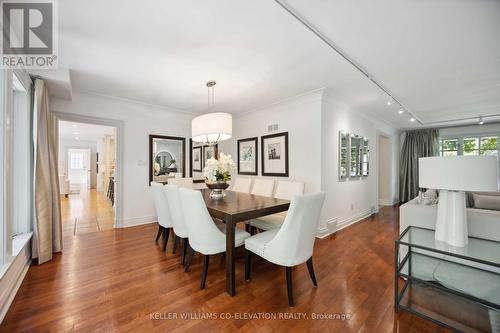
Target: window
pixel 449 147
pixel 76 160
pixel 469 146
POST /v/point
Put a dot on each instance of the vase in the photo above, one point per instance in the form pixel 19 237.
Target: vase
pixel 217 189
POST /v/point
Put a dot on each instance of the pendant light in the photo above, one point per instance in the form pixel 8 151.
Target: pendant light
pixel 214 127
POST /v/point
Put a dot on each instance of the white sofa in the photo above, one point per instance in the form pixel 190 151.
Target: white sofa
pixel 481 223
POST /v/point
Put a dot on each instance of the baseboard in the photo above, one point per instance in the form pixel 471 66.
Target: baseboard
pixel 131 222
pixel 329 229
pixel 387 202
pixel 341 224
pixel 15 273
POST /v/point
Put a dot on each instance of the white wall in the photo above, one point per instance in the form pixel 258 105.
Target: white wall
pixel 139 120
pixel 64 145
pixel 301 118
pixel 351 200
pixel 313 121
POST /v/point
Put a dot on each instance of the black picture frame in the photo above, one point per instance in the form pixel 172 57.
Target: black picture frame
pixel 265 158
pixel 201 159
pixel 152 137
pixel 256 142
pixel 216 153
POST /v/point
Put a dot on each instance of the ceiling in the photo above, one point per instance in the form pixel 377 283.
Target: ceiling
pixel 83 132
pixel 440 58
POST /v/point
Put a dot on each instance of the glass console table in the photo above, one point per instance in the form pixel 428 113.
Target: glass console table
pixel 458 288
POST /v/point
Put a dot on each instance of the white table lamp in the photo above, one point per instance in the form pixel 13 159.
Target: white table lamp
pixel 452 175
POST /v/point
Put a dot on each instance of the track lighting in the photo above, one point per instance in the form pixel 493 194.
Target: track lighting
pixel 412 119
pixel 401 111
pixel 481 121
pixel 389 102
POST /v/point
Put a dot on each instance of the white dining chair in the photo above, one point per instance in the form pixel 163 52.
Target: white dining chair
pixel 165 223
pixel 284 190
pixel 181 182
pixel 205 236
pixel 293 243
pixel 177 215
pixel 242 185
pixel 263 186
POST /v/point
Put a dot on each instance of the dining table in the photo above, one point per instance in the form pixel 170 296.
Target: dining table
pixel 234 208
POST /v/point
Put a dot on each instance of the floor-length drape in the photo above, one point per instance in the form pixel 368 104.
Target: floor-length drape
pixel 47 227
pixel 421 143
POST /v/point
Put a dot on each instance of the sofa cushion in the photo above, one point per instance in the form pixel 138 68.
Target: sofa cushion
pixel 483 201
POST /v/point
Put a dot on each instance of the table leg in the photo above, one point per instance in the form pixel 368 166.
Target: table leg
pixel 230 278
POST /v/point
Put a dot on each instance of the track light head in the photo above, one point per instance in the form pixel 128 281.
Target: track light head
pixel 481 121
pixel 389 102
pixel 401 111
pixel 412 119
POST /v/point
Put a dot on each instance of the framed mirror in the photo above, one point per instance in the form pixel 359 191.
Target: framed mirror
pixel 343 155
pixel 356 148
pixel 166 158
pixel 354 156
pixel 365 158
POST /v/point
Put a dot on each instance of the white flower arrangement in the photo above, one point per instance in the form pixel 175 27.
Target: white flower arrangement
pixel 219 170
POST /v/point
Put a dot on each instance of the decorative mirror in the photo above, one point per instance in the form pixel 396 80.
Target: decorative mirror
pixel 166 158
pixel 343 155
pixel 354 157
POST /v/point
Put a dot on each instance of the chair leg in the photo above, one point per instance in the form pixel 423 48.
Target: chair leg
pixel 205 270
pixel 184 248
pixel 190 258
pixel 160 232
pixel 289 286
pixel 166 232
pixel 176 243
pixel 247 227
pixel 248 264
pixel 310 268
pixel 252 230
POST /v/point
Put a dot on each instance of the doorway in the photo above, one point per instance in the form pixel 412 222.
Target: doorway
pixel 384 171
pixel 87 165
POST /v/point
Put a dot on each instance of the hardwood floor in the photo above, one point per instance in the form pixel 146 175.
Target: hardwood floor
pixel 120 280
pixel 88 211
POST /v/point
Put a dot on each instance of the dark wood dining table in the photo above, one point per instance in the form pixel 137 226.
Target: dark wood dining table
pixel 238 207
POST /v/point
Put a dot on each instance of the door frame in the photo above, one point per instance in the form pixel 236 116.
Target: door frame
pixel 390 138
pixel 119 125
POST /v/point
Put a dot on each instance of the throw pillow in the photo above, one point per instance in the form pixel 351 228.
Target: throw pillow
pixel 483 201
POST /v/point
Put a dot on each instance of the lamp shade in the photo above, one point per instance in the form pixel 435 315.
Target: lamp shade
pixel 459 173
pixel 212 127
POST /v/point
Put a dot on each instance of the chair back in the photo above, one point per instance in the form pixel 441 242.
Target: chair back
pixel 263 186
pixel 242 185
pixel 161 205
pixel 176 212
pixel 204 236
pixel 287 190
pixel 181 182
pixel 294 242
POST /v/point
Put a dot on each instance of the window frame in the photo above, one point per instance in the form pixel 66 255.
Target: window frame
pixel 460 141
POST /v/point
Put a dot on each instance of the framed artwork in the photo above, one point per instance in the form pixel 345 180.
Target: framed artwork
pixel 274 154
pixel 166 155
pixel 248 156
pixel 209 152
pixel 197 159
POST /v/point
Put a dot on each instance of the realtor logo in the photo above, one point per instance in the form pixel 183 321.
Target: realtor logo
pixel 29 34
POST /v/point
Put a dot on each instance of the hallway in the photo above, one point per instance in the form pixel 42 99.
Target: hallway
pixel 88 211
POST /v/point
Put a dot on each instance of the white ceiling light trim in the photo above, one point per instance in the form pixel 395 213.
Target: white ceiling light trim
pixel 211 128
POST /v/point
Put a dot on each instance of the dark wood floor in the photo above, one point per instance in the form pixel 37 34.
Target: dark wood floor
pixel 117 280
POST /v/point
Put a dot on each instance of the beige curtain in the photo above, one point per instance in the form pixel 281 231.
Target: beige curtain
pixel 47 228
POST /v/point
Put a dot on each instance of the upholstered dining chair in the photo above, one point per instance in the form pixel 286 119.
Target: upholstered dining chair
pixel 242 185
pixel 182 182
pixel 263 186
pixel 205 236
pixel 165 223
pixel 293 243
pixel 284 190
pixel 177 215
